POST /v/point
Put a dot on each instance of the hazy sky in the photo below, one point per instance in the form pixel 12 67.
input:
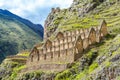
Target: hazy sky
pixel 34 10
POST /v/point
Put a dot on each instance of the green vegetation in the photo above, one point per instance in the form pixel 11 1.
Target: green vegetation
pixel 64 75
pixel 26 54
pixel 13 66
pixel 16 71
pixel 92 67
pixel 118 78
pixel 15 36
pixel 30 75
pixel 81 75
pixel 70 20
pixel 75 72
pixel 104 51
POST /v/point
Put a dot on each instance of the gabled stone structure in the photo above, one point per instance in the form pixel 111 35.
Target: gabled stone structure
pixel 66 48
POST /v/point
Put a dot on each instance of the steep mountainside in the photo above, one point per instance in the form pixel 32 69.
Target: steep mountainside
pixel 35 27
pixel 82 14
pixel 101 62
pixel 16 35
pixel 92 66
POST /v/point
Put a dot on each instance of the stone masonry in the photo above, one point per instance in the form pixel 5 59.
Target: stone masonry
pixel 66 48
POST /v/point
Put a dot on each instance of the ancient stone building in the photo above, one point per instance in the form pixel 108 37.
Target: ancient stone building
pixel 65 48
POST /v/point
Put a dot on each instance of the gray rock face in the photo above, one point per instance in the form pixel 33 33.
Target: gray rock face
pixel 85 9
pixel 116 58
pixel 50 22
pixel 107 73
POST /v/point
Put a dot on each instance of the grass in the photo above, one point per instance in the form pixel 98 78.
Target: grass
pixel 81 75
pixel 16 71
pixel 26 54
pixel 92 67
pixel 14 66
pixel 75 74
pixel 64 75
pixel 110 14
pixel 30 75
pixel 15 36
pixel 118 78
pixel 93 18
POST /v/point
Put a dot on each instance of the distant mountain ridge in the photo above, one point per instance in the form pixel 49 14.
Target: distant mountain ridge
pixel 36 27
pixel 17 34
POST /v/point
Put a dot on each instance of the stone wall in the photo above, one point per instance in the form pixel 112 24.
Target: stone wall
pixel 66 47
pixel 47 67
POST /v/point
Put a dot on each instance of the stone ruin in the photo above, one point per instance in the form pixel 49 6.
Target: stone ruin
pixel 66 48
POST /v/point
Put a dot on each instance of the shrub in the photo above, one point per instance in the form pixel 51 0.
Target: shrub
pixel 93 66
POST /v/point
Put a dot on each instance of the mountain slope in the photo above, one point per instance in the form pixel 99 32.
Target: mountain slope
pixel 36 27
pixel 96 63
pixel 83 14
pixel 15 36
